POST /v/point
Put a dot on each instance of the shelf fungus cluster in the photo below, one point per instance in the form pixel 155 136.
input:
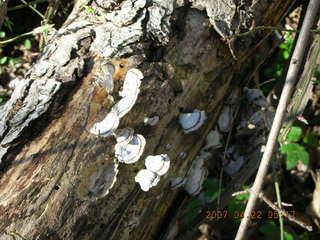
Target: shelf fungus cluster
pixel 129 147
pixel 192 121
pixel 156 166
pixel 129 94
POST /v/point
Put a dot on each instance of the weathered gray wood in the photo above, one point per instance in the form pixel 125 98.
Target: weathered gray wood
pixel 48 155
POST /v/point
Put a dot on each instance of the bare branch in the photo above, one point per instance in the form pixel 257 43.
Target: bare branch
pixel 295 64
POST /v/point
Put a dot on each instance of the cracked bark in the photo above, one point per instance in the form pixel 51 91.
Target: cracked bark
pixel 47 154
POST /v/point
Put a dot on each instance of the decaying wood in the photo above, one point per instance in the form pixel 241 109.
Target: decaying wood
pixel 3 10
pixel 48 157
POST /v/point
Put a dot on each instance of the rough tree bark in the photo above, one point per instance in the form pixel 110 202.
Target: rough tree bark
pixel 49 158
pixel 3 10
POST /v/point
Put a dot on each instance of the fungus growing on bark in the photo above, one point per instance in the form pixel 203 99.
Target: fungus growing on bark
pixel 192 121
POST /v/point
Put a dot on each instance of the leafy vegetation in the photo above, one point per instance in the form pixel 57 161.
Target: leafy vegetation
pixel 211 190
pixel 295 147
pixel 277 69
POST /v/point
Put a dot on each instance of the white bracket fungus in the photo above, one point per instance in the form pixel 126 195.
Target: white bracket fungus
pixel 147 179
pixel 213 140
pixel 192 121
pixel 156 166
pixel 226 118
pixel 124 135
pixel 130 150
pixel 177 182
pixel 98 179
pixel 196 176
pixel 129 95
pixel 107 126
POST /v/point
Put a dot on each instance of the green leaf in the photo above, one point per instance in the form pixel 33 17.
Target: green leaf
pixel 27 44
pixel 270 229
pixel 2 34
pixel 3 60
pixel 236 206
pixel 8 24
pixel 191 216
pixel 13 61
pixel 1 100
pixel 304 236
pixel 89 9
pixel 278 73
pixel 312 139
pixel 292 162
pixel 286 55
pixel 243 197
pixel 295 152
pixel 283 46
pixel 294 134
pixel 194 204
pixel 193 209
pixel 288 236
pixel 211 188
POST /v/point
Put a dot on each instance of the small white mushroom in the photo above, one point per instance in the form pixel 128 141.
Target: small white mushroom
pixel 147 179
pixel 107 126
pixel 130 152
pixel 192 121
pixel 196 176
pixel 168 146
pixel 151 121
pixel 183 155
pixel 158 164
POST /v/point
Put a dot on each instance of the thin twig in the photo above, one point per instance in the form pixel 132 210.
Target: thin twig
pixel 277 188
pixel 26 5
pixel 274 207
pixel 295 64
pixel 276 185
pixel 285 213
pixel 259 28
pixel 33 32
pixel 34 9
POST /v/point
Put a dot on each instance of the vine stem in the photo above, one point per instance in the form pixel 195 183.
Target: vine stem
pixel 293 71
pixel 33 32
pixel 34 9
pixel 271 28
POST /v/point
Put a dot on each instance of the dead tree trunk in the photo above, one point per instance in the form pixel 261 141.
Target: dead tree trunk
pixel 59 181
